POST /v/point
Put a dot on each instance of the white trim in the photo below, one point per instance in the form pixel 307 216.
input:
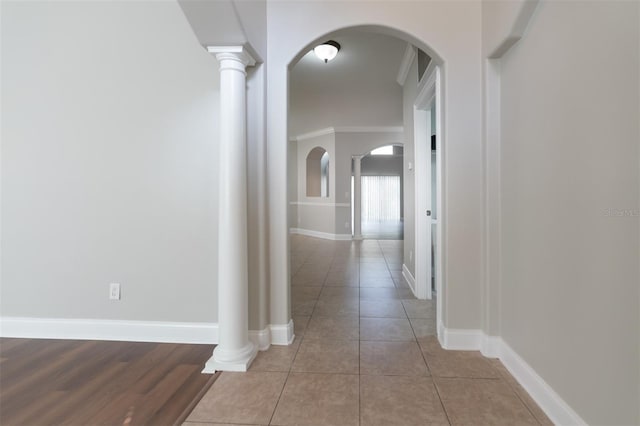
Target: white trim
pixel 428 98
pixel 408 277
pixel 136 331
pixel 370 129
pixel 405 64
pixel 490 346
pixel 241 51
pixel 312 203
pixel 558 411
pixel 261 338
pixel 314 134
pixel 427 91
pixel 240 363
pixel 318 234
pixel 282 334
pixel 347 129
pixel 96 329
pixel 462 339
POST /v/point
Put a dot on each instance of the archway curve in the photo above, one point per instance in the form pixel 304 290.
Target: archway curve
pixel 379 29
pixel 317 172
pixel 287 52
pixel 380 146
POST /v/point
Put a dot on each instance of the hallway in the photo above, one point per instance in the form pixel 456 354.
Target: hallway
pixel 365 353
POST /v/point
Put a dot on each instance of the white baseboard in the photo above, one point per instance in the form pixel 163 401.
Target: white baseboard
pixel 136 331
pixel 491 346
pixel 408 277
pixel 261 338
pixel 462 339
pixel 93 329
pixel 558 411
pixel 323 235
pixel 282 334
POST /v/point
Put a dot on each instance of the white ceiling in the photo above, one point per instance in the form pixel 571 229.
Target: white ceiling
pixel 365 59
pixel 357 88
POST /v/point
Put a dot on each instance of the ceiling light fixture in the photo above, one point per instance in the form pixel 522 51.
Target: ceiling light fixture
pixel 327 50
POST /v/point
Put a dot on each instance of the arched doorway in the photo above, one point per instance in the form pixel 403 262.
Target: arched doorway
pixel 411 250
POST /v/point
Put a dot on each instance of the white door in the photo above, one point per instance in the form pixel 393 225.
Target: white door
pixel 422 145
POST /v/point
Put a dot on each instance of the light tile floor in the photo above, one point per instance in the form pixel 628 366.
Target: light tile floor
pixel 365 353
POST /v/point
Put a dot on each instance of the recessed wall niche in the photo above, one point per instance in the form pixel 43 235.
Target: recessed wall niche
pixel 318 173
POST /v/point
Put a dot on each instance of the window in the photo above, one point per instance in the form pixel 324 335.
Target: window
pixel 380 198
pixel 318 173
pixel 383 150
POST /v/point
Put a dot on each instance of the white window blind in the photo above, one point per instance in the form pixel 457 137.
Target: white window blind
pixel 380 198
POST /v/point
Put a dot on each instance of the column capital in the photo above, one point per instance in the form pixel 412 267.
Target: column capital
pixel 235 53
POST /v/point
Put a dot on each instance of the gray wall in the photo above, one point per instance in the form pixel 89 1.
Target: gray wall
pixel 108 162
pixel 569 136
pixel 292 184
pixel 314 213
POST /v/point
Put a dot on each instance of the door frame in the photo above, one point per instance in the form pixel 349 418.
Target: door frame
pixel 429 96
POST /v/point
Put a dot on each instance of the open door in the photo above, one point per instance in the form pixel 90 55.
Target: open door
pixel 428 188
pixel 422 144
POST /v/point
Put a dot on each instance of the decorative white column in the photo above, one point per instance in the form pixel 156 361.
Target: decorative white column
pixel 234 351
pixel 357 198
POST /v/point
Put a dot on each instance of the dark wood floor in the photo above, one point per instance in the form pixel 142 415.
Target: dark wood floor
pixel 73 382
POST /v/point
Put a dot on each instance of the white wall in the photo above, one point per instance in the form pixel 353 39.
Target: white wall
pixel 312 110
pixel 108 162
pixel 569 135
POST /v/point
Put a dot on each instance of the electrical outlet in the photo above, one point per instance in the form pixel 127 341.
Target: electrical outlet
pixel 114 291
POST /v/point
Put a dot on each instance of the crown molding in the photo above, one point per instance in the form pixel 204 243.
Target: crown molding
pixel 346 129
pixel 405 64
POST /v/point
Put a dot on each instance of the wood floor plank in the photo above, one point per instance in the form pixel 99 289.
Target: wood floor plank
pixel 198 384
pixel 22 382
pixel 51 382
pixel 77 398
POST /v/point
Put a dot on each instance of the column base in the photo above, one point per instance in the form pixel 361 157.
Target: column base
pixel 239 360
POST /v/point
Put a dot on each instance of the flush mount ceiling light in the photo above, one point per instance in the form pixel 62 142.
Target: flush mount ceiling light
pixel 327 50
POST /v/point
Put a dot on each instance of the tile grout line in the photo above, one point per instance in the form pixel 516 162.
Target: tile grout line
pixel 289 370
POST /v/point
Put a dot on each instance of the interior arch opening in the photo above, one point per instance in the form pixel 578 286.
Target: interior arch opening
pixel 317 173
pixel 362 112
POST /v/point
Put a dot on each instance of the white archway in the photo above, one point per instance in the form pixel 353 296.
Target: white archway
pixel 280 279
